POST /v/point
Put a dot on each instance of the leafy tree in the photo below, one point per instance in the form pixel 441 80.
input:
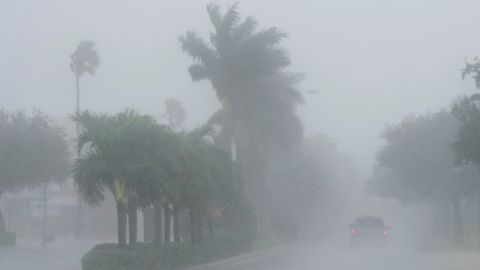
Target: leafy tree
pixel 417 164
pixel 176 113
pixel 247 69
pixel 203 179
pixel 467 145
pixel 33 151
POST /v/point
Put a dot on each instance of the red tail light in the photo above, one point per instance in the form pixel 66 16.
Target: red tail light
pixel 354 232
pixel 385 232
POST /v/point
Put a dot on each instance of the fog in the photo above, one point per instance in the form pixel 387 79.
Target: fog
pixel 370 62
pixel 367 64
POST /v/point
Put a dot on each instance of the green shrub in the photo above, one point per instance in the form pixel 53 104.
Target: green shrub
pixel 165 256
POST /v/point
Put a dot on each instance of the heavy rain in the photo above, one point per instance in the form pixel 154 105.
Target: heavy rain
pixel 215 134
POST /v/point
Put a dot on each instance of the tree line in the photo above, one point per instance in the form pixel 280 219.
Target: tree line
pixel 249 155
pixel 434 158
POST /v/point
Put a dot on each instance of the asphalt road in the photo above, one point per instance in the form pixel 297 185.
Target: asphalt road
pixel 66 255
pixel 325 257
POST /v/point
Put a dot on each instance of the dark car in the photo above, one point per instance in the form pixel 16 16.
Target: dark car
pixel 368 230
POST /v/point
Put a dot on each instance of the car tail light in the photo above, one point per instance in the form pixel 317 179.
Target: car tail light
pixel 385 232
pixel 354 232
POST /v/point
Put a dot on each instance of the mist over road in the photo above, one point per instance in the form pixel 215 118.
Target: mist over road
pixel 66 256
pixel 335 257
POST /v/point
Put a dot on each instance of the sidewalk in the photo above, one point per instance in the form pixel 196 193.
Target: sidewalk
pixel 62 254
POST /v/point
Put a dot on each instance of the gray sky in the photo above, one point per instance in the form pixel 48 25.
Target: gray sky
pixel 371 62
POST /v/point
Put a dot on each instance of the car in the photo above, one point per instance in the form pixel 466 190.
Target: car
pixel 369 230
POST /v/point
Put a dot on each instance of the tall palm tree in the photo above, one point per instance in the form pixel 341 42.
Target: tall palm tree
pixel 258 96
pixel 84 60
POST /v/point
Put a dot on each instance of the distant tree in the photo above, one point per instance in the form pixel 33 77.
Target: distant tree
pixel 419 163
pixel 384 183
pixel 247 69
pixel 467 145
pixel 310 177
pixel 474 70
pixel 33 151
pixel 203 179
pixel 84 60
pixel 176 114
pixel 467 111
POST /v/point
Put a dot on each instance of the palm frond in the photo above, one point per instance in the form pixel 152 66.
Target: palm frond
pixel 197 48
pixel 198 72
pixel 267 38
pixel 215 15
pixel 88 176
pixel 231 18
pixel 85 58
pixel 244 29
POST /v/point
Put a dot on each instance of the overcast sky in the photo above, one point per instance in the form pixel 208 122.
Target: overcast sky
pixel 371 62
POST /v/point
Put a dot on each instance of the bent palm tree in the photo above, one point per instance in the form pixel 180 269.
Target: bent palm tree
pixel 84 60
pixel 247 69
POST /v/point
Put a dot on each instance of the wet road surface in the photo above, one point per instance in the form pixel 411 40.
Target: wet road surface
pixel 66 256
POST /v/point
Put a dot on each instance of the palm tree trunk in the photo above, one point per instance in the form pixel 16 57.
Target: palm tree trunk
pixel 199 226
pixel 167 221
pixel 457 222
pixel 158 210
pixel 176 224
pixel 132 220
pixel 78 230
pixel 445 220
pixel 210 224
pixel 478 220
pixel 436 220
pixel 122 224
pixel 3 228
pixel 192 221
pixel 44 215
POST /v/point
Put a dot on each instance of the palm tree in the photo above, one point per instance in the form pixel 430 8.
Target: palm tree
pixel 119 156
pixel 84 60
pixel 247 69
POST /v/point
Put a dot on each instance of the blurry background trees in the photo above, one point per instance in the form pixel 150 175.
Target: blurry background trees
pixel 33 152
pixel 310 187
pixel 418 165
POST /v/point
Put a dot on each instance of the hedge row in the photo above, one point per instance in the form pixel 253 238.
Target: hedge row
pixel 165 256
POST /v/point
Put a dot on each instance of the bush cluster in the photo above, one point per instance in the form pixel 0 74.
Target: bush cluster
pixel 165 256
